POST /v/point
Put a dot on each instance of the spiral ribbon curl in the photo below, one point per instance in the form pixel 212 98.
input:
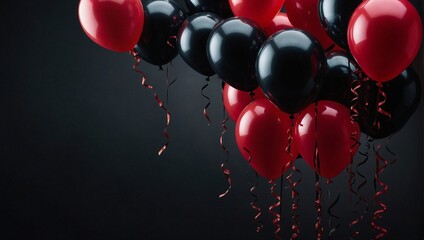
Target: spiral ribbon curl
pixel 225 170
pixel 381 165
pixel 277 216
pixel 160 103
pixel 318 191
pixel 205 109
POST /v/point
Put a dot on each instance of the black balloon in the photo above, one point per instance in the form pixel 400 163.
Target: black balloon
pixel 232 50
pixel 162 20
pixel 403 96
pixel 220 7
pixel 335 16
pixel 192 40
pixel 290 68
pixel 340 74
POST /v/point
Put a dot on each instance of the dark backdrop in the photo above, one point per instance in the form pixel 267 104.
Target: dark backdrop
pixel 79 137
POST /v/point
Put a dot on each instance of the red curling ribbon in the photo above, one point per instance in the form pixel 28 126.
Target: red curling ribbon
pixel 276 220
pixel 318 192
pixel 331 214
pixel 225 170
pixel 205 109
pixel 353 170
pixel 293 184
pixel 144 83
pixel 253 204
pixel 378 213
pixel 389 150
pixel 381 208
pixel 382 97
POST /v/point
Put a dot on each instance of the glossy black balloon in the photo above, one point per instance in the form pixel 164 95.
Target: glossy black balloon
pixel 402 100
pixel 335 16
pixel 192 40
pixel 162 20
pixel 290 68
pixel 220 7
pixel 340 74
pixel 232 50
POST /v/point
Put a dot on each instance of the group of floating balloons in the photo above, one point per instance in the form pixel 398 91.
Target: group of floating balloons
pixel 305 81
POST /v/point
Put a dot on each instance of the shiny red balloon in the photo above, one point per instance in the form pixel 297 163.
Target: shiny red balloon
pixel 235 100
pixel 303 14
pixel 280 22
pixel 333 134
pixel 262 135
pixel 260 11
pixel 113 24
pixel 384 36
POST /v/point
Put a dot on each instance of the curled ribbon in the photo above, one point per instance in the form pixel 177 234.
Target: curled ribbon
pixel 378 213
pixel 293 184
pixel 331 214
pixel 253 204
pixel 144 83
pixel 318 192
pixel 205 109
pixel 389 150
pixel 276 220
pixel 226 171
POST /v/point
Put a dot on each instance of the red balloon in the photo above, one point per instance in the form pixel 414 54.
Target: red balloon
pixel 334 136
pixel 303 14
pixel 262 134
pixel 235 100
pixel 384 36
pixel 113 24
pixel 260 11
pixel 280 22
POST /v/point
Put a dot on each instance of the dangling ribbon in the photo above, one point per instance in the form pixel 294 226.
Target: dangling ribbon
pixel 331 215
pixel 169 84
pixel 226 171
pixel 318 192
pixel 363 182
pixel 352 170
pixel 293 184
pixel 352 180
pixel 356 85
pixel 378 213
pixel 205 109
pixel 389 150
pixel 253 204
pixel 276 220
pixel 144 83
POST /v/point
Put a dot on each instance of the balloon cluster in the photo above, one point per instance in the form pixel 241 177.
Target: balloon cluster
pixel 303 82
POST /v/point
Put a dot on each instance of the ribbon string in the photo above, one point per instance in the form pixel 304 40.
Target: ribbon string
pixel 330 213
pixel 318 191
pixel 205 109
pixel 293 184
pixel 276 215
pixel 382 208
pixel 160 103
pixel 225 170
pixel 253 204
pixel 381 165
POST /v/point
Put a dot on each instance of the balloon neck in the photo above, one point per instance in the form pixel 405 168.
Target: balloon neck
pixel 252 96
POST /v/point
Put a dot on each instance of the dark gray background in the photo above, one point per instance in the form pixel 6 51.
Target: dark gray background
pixel 79 137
